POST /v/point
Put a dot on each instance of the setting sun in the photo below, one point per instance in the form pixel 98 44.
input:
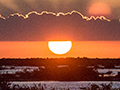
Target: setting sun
pixel 59 47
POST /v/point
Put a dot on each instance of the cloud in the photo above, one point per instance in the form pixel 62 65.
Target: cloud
pixel 2 17
pixel 24 6
pixel 61 26
pixel 32 3
pixel 58 14
pixel 9 4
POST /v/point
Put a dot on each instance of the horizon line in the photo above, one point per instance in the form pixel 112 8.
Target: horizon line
pixel 61 58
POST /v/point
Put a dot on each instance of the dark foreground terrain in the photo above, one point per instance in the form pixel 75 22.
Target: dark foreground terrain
pixel 61 69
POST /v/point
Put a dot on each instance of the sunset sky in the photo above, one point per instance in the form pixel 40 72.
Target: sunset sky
pixel 27 25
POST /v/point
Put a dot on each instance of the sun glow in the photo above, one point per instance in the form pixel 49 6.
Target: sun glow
pixel 99 8
pixel 59 47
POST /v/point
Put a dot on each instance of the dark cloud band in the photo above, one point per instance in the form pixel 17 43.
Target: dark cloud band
pixel 50 26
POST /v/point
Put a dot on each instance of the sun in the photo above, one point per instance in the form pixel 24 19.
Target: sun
pixel 59 47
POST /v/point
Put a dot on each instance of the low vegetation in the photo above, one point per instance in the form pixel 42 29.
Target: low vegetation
pixel 7 86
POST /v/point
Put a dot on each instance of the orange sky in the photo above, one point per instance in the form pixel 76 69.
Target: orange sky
pixel 100 49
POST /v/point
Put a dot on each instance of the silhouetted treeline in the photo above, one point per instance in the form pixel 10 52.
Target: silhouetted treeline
pixel 107 62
